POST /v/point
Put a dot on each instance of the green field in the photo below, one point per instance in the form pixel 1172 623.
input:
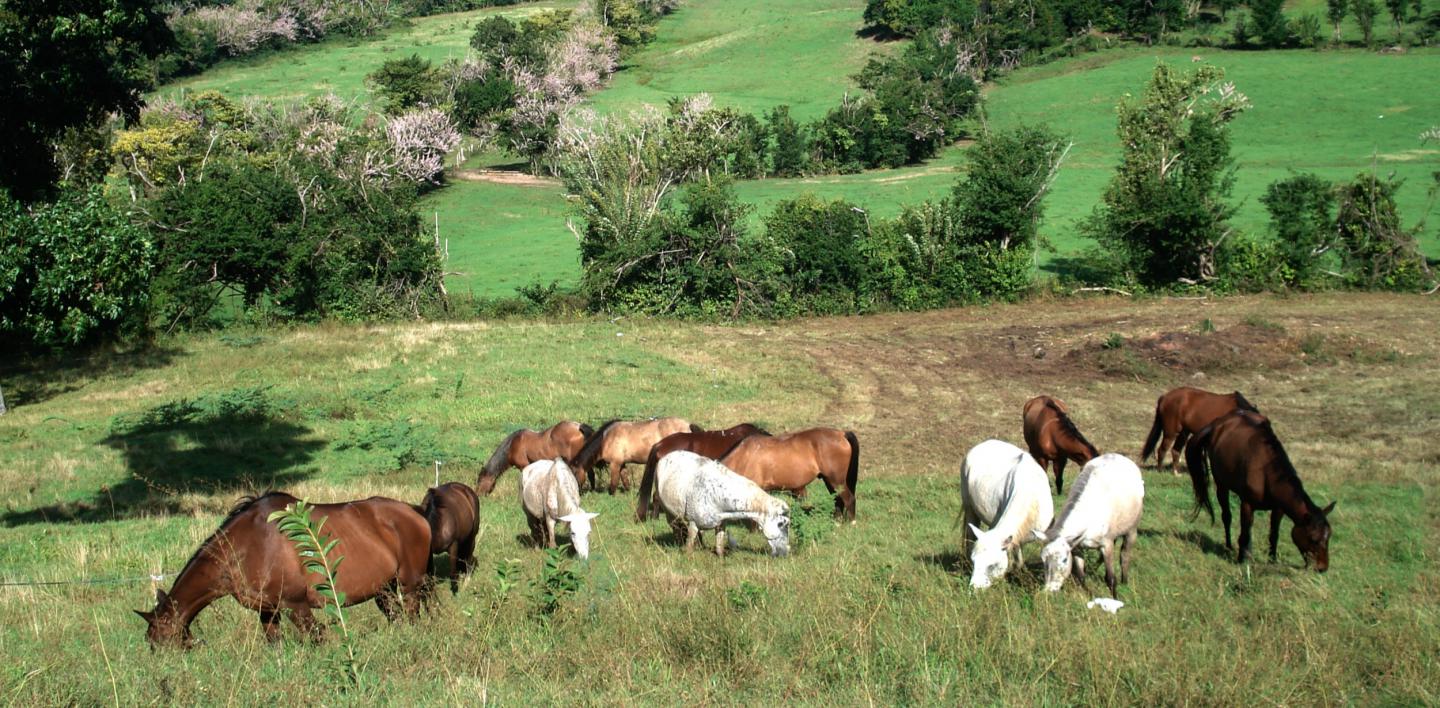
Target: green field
pixel 116 467
pixel 339 65
pixel 1331 112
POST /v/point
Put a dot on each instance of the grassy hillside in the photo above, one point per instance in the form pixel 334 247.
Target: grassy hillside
pixel 750 54
pixel 117 468
pixel 339 65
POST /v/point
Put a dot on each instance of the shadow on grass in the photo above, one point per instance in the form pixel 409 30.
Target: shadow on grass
pixel 951 561
pixel 231 443
pixel 1204 541
pixel 36 377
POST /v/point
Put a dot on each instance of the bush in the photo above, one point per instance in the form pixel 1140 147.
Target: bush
pixel 1378 253
pixel 1001 197
pixel 824 239
pixel 406 83
pixel 72 271
pixel 1303 225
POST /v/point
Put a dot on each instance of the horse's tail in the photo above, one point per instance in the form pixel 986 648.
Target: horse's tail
pixel 497 464
pixel 852 475
pixel 647 483
pixel 593 444
pixel 1156 429
pixel 1243 404
pixel 696 429
pixel 1199 470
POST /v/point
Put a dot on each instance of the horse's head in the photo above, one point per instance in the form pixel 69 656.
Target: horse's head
pixel 776 528
pixel 165 628
pixel 1056 555
pixel 1313 539
pixel 579 531
pixel 990 557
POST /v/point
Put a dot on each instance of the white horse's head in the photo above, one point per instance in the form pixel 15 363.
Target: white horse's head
pixel 1056 555
pixel 776 528
pixel 990 557
pixel 579 531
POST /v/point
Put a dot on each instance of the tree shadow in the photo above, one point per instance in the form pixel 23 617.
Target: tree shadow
pixel 878 34
pixel 35 377
pixel 220 444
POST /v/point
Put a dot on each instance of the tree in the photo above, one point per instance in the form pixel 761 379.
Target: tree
pixel 1399 11
pixel 67 65
pixel 1335 11
pixel 406 83
pixel 1301 219
pixel 1001 197
pixel 1271 27
pixel 1163 213
pixel 791 154
pixel 1378 252
pixel 1365 12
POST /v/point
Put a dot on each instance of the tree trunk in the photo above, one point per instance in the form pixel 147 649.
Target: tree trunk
pixel 2 400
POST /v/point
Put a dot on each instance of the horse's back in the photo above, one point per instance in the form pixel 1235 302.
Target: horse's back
pixel 1111 494
pixel 995 473
pixel 382 540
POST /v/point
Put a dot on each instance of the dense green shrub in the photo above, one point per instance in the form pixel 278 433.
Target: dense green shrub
pixel 1302 223
pixel 824 240
pixel 1002 195
pixel 71 271
pixel 406 83
pixel 790 154
pixel 1378 252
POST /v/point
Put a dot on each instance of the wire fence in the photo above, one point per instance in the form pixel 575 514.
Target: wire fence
pixel 153 577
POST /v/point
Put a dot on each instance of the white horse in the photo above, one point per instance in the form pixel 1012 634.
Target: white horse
pixel 703 494
pixel 549 494
pixel 1104 505
pixel 1004 488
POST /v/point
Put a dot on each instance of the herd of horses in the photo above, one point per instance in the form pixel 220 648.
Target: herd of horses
pixel 708 479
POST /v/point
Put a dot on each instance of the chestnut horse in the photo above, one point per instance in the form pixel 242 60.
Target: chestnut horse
pixel 453 510
pixel 1182 412
pixel 520 448
pixel 1245 457
pixel 712 444
pixel 1053 438
pixel 618 443
pixel 385 543
pixel 794 460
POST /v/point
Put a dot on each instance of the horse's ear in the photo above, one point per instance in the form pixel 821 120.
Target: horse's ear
pixel 1328 509
pixel 160 597
pixel 149 617
pixel 1038 535
pixel 975 530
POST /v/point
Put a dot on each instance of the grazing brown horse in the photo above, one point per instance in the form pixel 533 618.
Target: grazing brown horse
pixel 1182 412
pixel 794 460
pixel 385 543
pixel 618 443
pixel 453 510
pixel 1053 438
pixel 520 448
pixel 1245 457
pixel 712 444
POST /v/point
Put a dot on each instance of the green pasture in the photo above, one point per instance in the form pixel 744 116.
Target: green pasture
pixel 503 236
pixel 749 54
pixel 118 466
pixel 339 65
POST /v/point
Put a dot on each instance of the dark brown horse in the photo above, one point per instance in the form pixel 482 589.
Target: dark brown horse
pixel 618 443
pixel 1053 438
pixel 385 543
pixel 794 460
pixel 453 510
pixel 712 444
pixel 1245 457
pixel 522 447
pixel 1182 412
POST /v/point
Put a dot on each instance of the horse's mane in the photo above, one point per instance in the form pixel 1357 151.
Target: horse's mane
pixel 241 506
pixel 1068 426
pixel 1284 466
pixel 1243 404
pixel 585 431
pixel 1077 488
pixel 501 457
pixel 593 443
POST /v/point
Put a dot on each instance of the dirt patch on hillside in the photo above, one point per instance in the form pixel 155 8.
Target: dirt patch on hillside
pixel 1241 348
pixel 510 177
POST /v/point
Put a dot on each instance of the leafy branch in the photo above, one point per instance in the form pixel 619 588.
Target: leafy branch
pixel 314 548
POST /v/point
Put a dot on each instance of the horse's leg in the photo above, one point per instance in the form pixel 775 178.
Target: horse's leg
pixel 1222 495
pixel 720 539
pixel 1077 570
pixel 1178 450
pixel 537 530
pixel 549 532
pixel 1125 555
pixel 692 533
pixel 1166 438
pixel 304 620
pixel 1247 517
pixel 1060 473
pixel 454 551
pixel 1275 517
pixel 385 600
pixel 1107 551
pixel 971 519
pixel 270 621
